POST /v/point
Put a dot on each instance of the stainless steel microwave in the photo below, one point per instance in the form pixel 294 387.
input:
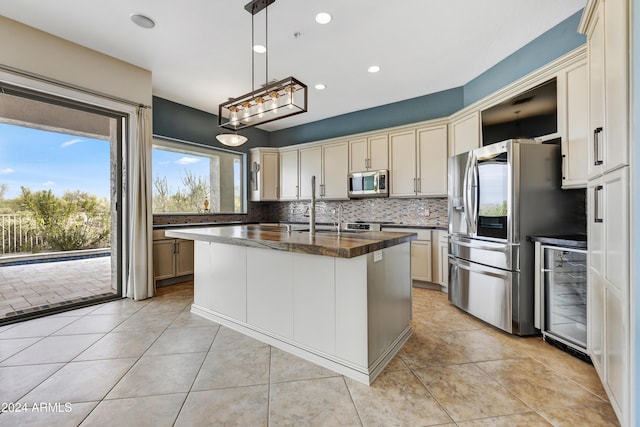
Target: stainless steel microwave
pixel 368 184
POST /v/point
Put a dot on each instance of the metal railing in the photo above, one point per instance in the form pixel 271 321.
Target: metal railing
pixel 18 233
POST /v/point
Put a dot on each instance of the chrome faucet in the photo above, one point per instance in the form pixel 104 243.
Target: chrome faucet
pixel 337 216
pixel 312 207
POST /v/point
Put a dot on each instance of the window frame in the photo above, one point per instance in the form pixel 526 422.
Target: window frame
pixel 206 151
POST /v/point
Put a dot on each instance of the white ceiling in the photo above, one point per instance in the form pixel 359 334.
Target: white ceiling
pixel 200 51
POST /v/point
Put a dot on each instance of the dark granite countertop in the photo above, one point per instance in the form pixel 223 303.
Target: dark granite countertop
pixel 200 224
pixel 325 242
pixel 577 241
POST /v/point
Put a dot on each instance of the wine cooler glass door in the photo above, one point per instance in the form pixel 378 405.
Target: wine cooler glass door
pixel 565 289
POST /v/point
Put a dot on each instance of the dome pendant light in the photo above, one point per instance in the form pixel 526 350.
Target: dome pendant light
pixel 231 139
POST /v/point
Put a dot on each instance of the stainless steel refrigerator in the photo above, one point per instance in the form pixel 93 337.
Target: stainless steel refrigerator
pixel 498 195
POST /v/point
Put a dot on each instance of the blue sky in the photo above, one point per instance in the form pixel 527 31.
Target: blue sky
pixel 42 160
pixel 173 164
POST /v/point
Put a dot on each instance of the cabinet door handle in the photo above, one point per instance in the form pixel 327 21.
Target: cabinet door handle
pixel 414 185
pixel 419 185
pixel 321 190
pixel 596 203
pixel 297 191
pixel 596 146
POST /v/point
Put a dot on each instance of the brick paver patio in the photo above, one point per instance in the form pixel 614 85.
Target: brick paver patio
pixel 29 286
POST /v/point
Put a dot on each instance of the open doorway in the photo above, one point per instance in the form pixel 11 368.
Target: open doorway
pixel 60 189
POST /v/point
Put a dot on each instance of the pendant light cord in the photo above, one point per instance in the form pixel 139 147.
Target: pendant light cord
pixel 253 57
pixel 266 42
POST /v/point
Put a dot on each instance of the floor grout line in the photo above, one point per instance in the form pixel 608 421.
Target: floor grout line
pixel 423 312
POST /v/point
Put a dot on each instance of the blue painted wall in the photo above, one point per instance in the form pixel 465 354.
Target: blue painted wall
pixel 561 39
pixel 556 42
pixel 181 122
pixel 439 104
pixel 178 121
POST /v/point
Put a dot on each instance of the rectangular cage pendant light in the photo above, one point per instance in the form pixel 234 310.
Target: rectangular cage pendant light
pixel 274 101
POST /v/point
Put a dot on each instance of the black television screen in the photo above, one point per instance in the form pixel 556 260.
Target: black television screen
pixel 531 114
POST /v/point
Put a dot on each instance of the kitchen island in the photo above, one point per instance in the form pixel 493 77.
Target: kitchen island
pixel 342 301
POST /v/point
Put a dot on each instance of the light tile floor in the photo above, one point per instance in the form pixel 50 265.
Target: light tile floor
pixel 152 362
pixel 29 286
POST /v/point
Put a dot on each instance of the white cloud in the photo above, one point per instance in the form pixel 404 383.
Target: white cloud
pixel 49 184
pixel 71 142
pixel 6 171
pixel 187 161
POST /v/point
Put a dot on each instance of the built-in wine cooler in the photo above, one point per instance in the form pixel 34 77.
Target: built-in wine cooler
pixel 562 286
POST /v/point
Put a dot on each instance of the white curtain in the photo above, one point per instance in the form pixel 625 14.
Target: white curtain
pixel 139 283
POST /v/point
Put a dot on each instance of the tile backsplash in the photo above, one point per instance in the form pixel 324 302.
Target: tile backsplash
pixel 432 212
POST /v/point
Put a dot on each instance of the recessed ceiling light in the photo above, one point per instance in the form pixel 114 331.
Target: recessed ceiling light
pixel 373 69
pixel 259 48
pixel 321 86
pixel 143 20
pixel 323 18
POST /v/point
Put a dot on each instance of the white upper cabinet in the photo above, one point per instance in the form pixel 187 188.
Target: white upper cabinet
pixel 419 162
pixel 465 134
pixel 265 174
pixel 573 117
pixel 358 155
pixel 334 171
pixel 310 165
pixel 607 41
pixel 370 153
pixel 289 175
pixel 402 172
pixel 431 152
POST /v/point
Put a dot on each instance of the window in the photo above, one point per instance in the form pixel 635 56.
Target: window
pixel 193 178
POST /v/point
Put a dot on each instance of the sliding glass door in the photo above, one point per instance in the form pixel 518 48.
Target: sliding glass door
pixel 61 189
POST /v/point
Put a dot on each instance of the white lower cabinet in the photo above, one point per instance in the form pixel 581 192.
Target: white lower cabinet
pixel 314 313
pixel 425 254
pixel 171 257
pixel 163 259
pixel 443 259
pixel 226 264
pixel 609 293
pixel 421 260
pixel 270 291
pixel 347 314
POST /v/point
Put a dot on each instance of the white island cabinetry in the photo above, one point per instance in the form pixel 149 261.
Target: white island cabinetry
pixel 347 313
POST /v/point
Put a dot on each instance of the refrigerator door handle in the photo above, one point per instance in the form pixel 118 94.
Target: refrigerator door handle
pixel 474 186
pixel 538 290
pixel 484 272
pixel 475 245
pixel 467 189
